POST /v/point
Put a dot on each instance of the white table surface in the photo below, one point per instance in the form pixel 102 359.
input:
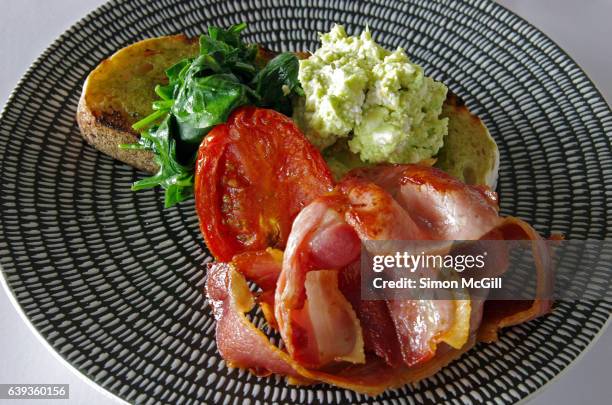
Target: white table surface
pixel 27 27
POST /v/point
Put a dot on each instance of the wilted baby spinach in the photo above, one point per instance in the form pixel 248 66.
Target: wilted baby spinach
pixel 201 93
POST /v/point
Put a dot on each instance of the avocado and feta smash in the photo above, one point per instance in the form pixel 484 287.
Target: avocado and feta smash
pixel 374 101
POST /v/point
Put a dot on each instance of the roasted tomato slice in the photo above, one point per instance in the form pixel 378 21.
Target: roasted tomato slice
pixel 253 176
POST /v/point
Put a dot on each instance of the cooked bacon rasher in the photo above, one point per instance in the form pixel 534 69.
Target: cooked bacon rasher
pixel 311 292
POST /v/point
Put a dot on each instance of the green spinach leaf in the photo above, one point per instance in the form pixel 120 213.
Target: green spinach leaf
pixel 174 177
pixel 205 102
pixel 277 81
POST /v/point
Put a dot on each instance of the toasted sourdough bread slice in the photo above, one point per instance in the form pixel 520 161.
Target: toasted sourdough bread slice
pixel 469 151
pixel 120 91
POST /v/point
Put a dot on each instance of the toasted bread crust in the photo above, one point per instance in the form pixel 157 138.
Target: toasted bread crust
pixel 106 137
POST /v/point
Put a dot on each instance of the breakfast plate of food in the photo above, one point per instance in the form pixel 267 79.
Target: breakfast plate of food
pixel 189 188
